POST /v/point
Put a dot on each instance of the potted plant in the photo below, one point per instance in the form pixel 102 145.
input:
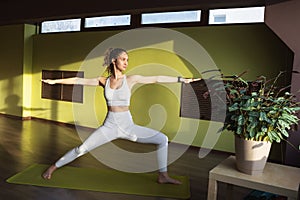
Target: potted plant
pixel 258 113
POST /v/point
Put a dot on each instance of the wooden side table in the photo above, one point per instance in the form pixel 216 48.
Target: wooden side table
pixel 277 179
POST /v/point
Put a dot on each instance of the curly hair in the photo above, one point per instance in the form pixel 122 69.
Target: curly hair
pixel 110 54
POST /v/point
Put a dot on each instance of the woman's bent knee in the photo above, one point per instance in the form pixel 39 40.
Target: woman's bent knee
pixel 163 139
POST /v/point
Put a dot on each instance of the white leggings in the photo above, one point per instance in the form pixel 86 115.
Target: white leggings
pixel 120 125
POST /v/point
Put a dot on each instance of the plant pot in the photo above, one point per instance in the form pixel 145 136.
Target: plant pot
pixel 251 156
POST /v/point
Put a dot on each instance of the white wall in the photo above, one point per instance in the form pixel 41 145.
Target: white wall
pixel 284 20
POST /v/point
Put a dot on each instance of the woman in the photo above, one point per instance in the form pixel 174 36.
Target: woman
pixel 118 123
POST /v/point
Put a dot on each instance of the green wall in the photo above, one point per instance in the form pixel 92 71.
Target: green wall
pixel 15 65
pixel 233 48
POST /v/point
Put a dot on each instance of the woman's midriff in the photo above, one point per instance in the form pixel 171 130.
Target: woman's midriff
pixel 118 108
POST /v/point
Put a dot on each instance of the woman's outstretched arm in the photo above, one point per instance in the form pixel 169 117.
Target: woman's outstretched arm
pixel 76 81
pixel 161 79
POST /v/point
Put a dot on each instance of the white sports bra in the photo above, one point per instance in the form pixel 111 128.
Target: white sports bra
pixel 117 97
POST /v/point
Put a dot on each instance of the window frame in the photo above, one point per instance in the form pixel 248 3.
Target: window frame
pixel 196 94
pixel 135 22
pixel 61 92
pixel 67 31
pixel 112 26
pixel 136 18
pixel 239 23
pixel 169 23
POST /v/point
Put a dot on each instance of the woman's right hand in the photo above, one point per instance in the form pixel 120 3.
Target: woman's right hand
pixel 49 81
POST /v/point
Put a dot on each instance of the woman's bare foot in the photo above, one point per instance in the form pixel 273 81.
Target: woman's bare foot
pixel 164 178
pixel 47 174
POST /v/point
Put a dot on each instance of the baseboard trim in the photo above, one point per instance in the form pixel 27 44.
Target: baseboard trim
pixel 47 121
pixel 14 116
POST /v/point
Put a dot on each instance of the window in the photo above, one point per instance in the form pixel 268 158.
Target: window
pixel 61 26
pixel 72 93
pixel 197 98
pixel 196 102
pixel 237 15
pixel 167 19
pixel 120 20
pixel 171 17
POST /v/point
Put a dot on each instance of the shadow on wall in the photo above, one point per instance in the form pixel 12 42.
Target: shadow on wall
pixel 13 107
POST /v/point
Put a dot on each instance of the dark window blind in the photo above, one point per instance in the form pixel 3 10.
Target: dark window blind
pixel 72 93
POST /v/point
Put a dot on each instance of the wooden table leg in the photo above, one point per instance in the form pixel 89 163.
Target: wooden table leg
pixel 212 189
pixel 298 196
pixel 229 188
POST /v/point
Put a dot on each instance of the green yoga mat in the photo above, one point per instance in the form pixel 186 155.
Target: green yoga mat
pixel 103 181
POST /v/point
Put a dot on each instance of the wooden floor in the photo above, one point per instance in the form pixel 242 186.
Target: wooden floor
pixel 23 143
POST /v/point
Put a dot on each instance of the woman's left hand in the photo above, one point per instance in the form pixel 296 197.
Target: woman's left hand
pixel 189 80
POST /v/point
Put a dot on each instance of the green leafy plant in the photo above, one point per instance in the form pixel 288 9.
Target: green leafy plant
pixel 259 110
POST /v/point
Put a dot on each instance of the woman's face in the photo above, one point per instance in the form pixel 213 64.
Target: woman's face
pixel 122 61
